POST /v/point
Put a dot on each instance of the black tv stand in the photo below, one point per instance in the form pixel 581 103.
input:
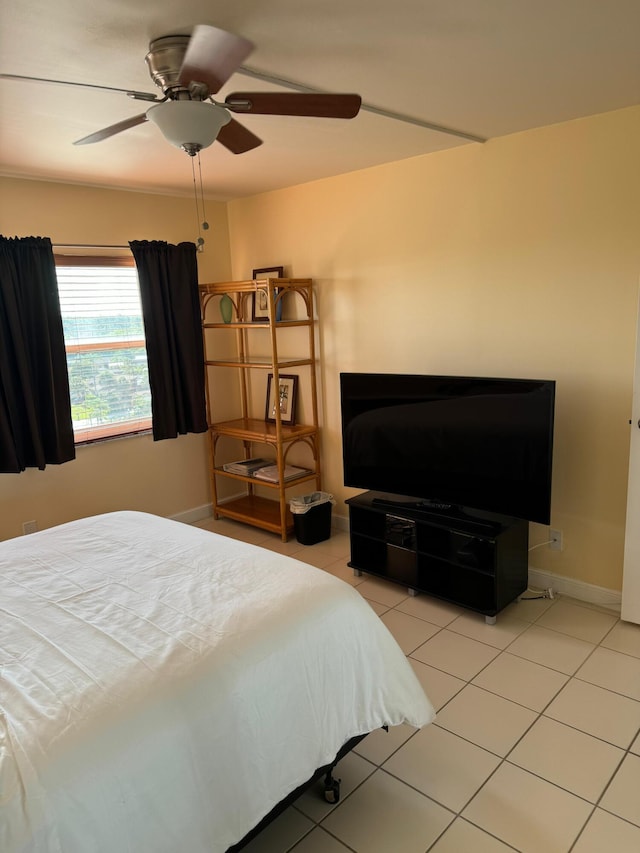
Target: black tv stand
pixel 413 503
pixel 420 508
pixel 474 559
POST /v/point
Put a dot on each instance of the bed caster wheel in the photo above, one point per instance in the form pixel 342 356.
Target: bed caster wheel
pixel 332 790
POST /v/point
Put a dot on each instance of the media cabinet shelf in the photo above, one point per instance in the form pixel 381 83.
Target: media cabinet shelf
pixel 473 559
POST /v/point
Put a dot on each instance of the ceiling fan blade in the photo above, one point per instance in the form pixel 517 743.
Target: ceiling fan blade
pixel 294 104
pixel 106 132
pixel 143 96
pixel 212 56
pixel 237 138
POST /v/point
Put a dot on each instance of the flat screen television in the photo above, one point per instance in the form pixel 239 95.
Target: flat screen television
pixel 446 442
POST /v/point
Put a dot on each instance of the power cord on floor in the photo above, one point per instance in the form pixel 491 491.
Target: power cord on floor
pixel 540 593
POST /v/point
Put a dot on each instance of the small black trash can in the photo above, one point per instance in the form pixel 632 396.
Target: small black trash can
pixel 312 517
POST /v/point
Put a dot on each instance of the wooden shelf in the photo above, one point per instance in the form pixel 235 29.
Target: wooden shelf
pixel 280 324
pixel 260 512
pixel 257 362
pixel 257 481
pixel 254 429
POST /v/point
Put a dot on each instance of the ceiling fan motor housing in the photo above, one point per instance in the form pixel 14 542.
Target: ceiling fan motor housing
pixel 164 61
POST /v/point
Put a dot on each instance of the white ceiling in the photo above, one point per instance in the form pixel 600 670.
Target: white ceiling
pixel 486 67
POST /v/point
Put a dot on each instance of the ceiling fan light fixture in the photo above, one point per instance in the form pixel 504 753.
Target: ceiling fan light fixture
pixel 190 125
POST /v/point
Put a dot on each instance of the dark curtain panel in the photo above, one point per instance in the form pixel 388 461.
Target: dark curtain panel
pixel 168 278
pixel 35 409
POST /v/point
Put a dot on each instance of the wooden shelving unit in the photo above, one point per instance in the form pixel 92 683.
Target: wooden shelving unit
pixel 291 298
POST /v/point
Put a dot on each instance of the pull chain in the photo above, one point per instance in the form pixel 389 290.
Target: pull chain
pixel 205 224
pixel 200 240
pixel 203 221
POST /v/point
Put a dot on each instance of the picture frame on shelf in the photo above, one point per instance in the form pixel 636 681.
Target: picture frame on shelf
pixel 285 397
pixel 259 308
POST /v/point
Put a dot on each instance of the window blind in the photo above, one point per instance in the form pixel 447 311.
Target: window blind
pixel 106 354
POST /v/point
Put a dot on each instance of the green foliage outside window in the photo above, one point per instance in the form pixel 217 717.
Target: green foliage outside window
pixel 109 386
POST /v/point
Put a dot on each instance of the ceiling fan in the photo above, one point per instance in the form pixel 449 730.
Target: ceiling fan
pixel 190 70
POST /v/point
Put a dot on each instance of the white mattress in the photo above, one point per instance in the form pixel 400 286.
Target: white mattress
pixel 163 687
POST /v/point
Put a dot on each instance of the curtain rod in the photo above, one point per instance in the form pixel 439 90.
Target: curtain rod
pixel 85 246
pixel 199 247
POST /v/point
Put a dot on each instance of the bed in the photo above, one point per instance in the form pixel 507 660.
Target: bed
pixel 163 688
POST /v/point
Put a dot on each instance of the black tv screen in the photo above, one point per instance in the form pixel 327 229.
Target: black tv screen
pixel 469 442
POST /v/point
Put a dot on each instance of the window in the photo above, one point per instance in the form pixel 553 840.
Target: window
pixel 104 340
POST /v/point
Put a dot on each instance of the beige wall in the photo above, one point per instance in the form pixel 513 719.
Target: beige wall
pixel 517 258
pixel 520 257
pixel 166 477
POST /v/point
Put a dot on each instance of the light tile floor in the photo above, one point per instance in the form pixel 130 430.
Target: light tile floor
pixel 536 743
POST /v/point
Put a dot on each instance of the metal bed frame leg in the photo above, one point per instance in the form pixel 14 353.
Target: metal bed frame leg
pixel 332 786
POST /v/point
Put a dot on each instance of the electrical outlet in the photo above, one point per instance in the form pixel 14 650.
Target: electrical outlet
pixel 29 527
pixel 555 537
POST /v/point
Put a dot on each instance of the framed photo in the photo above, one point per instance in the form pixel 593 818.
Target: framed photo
pixel 284 397
pixel 259 309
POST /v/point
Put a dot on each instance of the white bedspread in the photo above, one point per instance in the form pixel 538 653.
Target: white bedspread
pixel 162 687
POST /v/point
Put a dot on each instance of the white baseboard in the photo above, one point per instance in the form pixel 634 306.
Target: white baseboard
pixel 581 591
pixel 198 513
pixel 340 522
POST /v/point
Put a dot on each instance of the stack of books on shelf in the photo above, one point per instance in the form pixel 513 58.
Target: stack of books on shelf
pixel 270 473
pixel 263 469
pixel 246 467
